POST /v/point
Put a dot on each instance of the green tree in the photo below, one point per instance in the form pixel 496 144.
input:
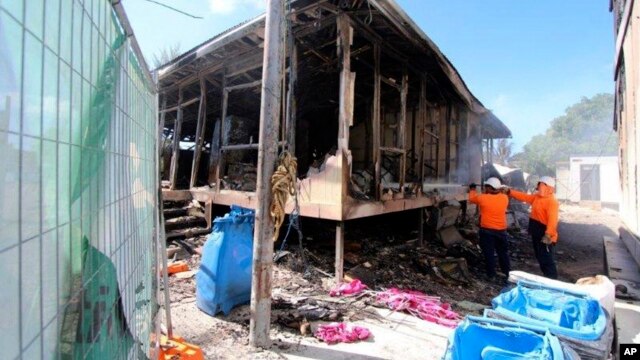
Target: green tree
pixel 585 129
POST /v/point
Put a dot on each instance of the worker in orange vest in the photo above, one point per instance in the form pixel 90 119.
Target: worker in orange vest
pixel 543 223
pixel 493 205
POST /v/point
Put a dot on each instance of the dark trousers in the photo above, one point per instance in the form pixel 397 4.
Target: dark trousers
pixel 492 242
pixel 544 253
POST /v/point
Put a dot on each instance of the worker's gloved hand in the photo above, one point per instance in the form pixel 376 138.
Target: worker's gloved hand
pixel 473 185
pixel 546 239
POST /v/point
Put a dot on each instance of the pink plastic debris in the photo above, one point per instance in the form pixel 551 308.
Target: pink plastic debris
pixel 426 307
pixel 345 289
pixel 341 332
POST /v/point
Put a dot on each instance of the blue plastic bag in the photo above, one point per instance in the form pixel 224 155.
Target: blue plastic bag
pixel 564 313
pixel 482 338
pixel 224 278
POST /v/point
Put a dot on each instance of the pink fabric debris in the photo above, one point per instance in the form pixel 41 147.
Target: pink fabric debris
pixel 345 289
pixel 341 332
pixel 426 307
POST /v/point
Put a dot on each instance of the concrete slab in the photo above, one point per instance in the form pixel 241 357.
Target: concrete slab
pixel 620 263
pixel 627 322
pixel 395 336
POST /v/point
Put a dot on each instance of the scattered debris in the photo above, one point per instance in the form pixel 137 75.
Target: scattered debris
pixel 471 306
pixel 450 236
pixel 185 274
pixel 448 270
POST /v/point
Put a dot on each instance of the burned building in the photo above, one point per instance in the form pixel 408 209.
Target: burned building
pixel 378 118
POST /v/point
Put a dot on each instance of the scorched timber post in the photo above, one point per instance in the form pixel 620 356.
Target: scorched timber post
pixel 267 154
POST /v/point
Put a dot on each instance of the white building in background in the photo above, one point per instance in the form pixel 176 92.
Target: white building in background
pixel 589 178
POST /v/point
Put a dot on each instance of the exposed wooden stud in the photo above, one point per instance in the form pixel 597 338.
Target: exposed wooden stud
pixel 221 138
pixel 402 126
pixel 200 129
pixel 183 105
pixel 345 37
pixel 313 51
pixel 292 102
pixel 376 118
pixel 442 139
pixel 391 83
pixel 423 123
pixel 392 150
pixel 339 264
pixel 414 133
pixel 243 86
pixel 177 130
pixel 270 109
pixel 246 146
pixel 447 153
pixel 193 77
pixel 438 129
pixel 314 26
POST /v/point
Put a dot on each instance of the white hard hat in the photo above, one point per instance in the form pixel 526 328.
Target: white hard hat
pixel 548 180
pixel 493 182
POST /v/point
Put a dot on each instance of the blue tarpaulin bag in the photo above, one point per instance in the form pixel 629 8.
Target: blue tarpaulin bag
pixel 224 278
pixel 563 312
pixel 483 338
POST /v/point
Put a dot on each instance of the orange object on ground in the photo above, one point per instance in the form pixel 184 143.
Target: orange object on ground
pixel 177 348
pixel 177 266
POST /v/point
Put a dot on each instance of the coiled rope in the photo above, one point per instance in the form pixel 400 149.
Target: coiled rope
pixel 283 185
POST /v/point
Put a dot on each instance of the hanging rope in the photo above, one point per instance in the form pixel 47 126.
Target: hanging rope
pixel 283 185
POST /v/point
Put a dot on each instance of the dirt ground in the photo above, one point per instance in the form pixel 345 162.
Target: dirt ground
pixel 384 254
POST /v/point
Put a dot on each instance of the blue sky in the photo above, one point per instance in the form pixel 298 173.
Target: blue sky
pixel 527 60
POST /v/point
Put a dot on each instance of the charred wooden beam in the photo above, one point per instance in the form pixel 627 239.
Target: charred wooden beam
pixel 249 62
pixel 391 83
pixel 250 85
pixel 200 129
pixel 368 33
pixel 177 130
pixel 292 102
pixel 423 122
pixel 181 105
pixel 447 156
pixel 376 118
pixel 223 115
pixel 253 146
pixel 312 50
pixel 188 80
pixel 402 126
pixel 345 37
pixel 315 26
pixel 393 150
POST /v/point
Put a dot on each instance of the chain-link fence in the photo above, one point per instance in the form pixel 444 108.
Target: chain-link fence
pixel 77 184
